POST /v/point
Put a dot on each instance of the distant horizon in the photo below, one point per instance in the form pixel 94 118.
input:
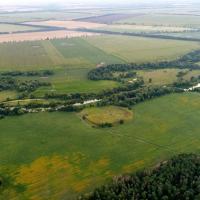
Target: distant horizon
pixel 85 2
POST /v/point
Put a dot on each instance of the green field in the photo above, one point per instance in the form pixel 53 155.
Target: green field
pixel 14 28
pixel 52 54
pixel 78 51
pixel 109 114
pixel 135 49
pixel 25 56
pixel 164 76
pixel 88 52
pixel 56 155
pixel 43 15
pixel 7 94
pixel 72 81
pixel 164 19
pixel 134 28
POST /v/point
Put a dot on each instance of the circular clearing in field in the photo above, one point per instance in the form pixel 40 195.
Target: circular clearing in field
pixel 106 116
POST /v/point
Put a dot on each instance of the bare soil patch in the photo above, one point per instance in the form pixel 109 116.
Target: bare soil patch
pixel 68 24
pixel 19 37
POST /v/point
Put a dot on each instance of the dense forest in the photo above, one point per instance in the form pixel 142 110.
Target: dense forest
pixel 175 179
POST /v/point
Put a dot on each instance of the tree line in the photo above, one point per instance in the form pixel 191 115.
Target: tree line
pixel 9 83
pixel 28 73
pixel 187 61
pixel 175 179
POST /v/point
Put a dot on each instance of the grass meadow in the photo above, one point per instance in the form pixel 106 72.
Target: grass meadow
pixel 135 49
pixel 56 155
pixel 13 28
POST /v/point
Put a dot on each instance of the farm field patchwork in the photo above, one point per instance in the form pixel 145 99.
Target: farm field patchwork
pixel 79 109
pixel 50 54
pixel 61 154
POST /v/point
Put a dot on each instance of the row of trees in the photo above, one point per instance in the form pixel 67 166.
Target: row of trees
pixel 126 95
pixel 178 178
pixel 28 73
pixel 9 83
pixel 187 61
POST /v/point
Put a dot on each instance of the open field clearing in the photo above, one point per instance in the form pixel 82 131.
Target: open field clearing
pixel 67 24
pixel 144 28
pixel 159 77
pixel 60 86
pixel 164 19
pixel 135 49
pixel 68 83
pixel 19 37
pixel 193 73
pixel 165 76
pixel 26 102
pixel 61 154
pixel 13 28
pixel 110 115
pixel 4 95
pixel 70 80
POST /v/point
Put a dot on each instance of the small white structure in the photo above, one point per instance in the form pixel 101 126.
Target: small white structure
pixel 87 102
pixel 192 88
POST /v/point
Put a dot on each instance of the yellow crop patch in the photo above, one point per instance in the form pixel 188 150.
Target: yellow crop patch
pixel 57 176
pixel 132 167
